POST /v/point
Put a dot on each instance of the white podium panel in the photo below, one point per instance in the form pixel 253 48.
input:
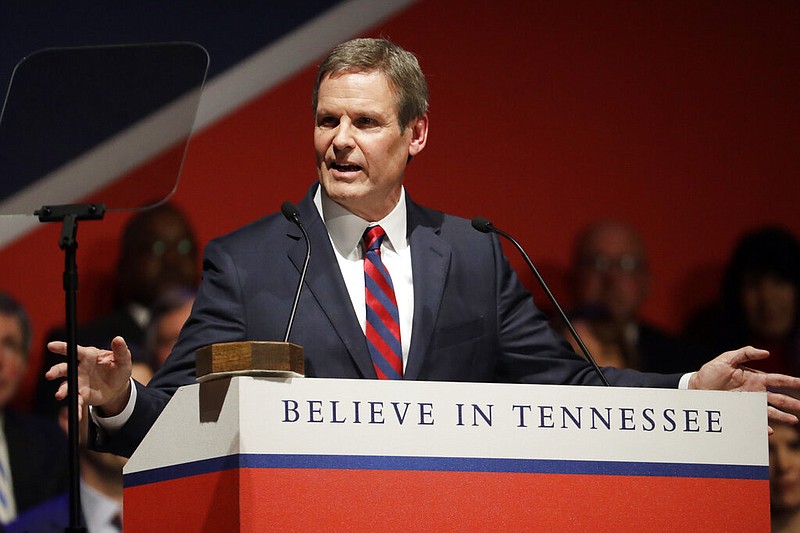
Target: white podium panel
pixel 245 453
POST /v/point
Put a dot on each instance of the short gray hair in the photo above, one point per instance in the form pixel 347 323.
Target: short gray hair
pixel 380 55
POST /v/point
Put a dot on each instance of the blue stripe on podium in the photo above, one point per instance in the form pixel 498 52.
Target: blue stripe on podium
pixel 445 464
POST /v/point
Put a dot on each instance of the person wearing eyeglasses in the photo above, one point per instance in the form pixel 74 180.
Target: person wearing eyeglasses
pixel 33 451
pixel 158 254
pixel 610 275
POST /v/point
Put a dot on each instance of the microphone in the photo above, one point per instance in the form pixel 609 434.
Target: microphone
pixel 291 213
pixel 485 226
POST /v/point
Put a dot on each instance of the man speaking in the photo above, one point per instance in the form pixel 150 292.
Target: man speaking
pixel 394 290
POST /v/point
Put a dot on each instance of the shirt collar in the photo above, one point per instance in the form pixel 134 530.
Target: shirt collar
pixel 347 229
pixel 103 509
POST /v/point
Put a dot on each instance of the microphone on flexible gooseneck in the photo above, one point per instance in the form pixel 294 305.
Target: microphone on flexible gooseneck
pixel 291 213
pixel 485 226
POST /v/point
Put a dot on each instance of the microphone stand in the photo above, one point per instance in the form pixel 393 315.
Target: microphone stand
pixel 485 226
pixel 291 213
pixel 69 215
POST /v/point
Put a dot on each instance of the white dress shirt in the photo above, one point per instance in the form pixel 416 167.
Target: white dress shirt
pixel 8 507
pixel 99 511
pixel 346 231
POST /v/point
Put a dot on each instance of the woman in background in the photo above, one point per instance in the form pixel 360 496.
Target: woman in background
pixel 760 299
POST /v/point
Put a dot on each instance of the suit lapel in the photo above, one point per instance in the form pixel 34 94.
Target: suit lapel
pixel 325 282
pixel 430 262
pixel 18 448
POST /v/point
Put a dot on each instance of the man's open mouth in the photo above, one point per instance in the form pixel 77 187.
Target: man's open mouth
pixel 345 168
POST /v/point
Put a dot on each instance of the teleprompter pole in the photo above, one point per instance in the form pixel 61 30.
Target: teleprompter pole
pixel 69 215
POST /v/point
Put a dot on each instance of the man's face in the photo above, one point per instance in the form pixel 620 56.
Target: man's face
pixel 361 148
pixel 12 357
pixel 784 467
pixel 612 273
pixel 770 306
pixel 164 257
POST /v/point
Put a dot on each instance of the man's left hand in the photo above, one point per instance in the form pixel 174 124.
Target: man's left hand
pixel 729 372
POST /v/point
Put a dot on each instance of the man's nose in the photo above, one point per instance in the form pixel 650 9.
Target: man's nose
pixel 614 275
pixel 344 136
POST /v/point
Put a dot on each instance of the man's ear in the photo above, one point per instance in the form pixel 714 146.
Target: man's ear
pixel 419 135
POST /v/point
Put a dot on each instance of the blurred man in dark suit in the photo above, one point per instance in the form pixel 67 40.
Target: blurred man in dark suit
pixel 611 277
pixel 33 452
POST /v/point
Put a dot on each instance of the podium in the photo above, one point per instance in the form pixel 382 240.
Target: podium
pixel 282 453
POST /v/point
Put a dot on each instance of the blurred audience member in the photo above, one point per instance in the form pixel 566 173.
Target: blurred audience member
pixel 167 318
pixel 759 298
pixel 141 371
pixel 158 253
pixel 603 337
pixel 33 451
pixel 784 478
pixel 610 271
pixel 101 485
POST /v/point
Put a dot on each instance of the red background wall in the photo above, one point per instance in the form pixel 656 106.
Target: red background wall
pixel 680 118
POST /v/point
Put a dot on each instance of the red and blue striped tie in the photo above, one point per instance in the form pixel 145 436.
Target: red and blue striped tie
pixel 383 322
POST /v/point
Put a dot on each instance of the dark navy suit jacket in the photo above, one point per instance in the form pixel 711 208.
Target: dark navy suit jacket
pixel 473 320
pixel 37 454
